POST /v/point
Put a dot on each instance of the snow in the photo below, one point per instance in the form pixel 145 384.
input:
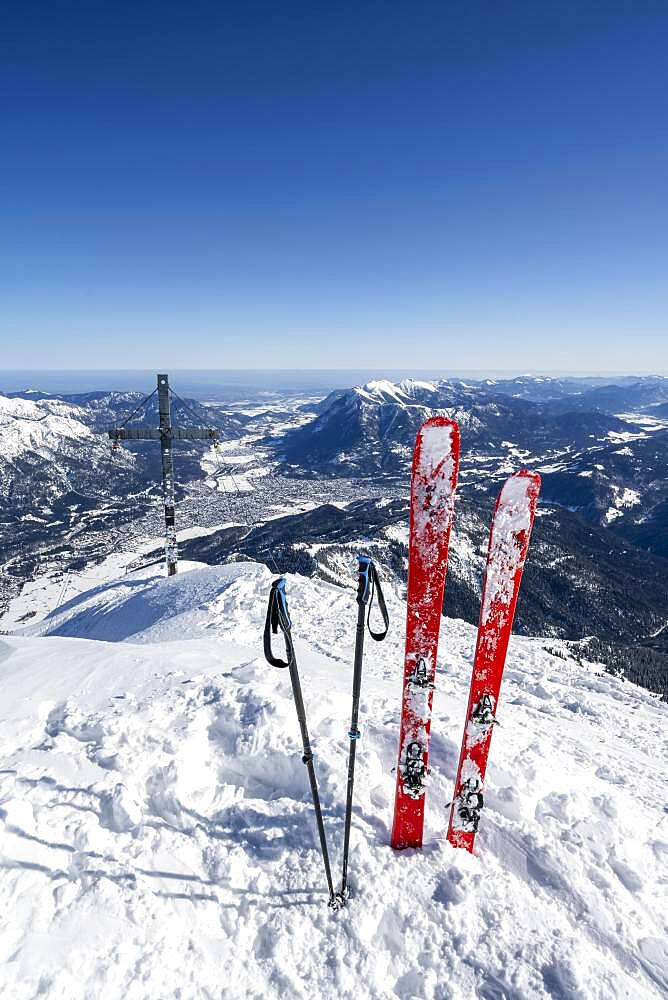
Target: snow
pixel 628 498
pixel 623 497
pixel 197 531
pixel 40 596
pixel 222 469
pixel 619 436
pixel 437 443
pixel 47 435
pixel 644 420
pixel 239 459
pixel 511 524
pixel 401 393
pixel 229 485
pixel 37 427
pixel 416 382
pixel 379 390
pixel 157 837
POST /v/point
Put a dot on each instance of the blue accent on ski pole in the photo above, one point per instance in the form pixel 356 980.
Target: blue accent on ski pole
pixel 364 584
pixel 282 598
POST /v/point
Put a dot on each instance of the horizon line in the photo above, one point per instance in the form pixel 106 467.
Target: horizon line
pixel 515 372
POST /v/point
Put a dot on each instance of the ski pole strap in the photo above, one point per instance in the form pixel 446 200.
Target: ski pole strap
pixel 278 616
pixel 369 586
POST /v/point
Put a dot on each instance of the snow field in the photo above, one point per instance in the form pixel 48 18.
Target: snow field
pixel 157 837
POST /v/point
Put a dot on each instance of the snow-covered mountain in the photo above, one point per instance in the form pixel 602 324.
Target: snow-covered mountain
pixel 577 579
pixel 96 409
pixel 301 482
pixel 362 430
pixel 47 448
pixel 64 495
pixel 157 836
pixel 605 481
pixel 370 429
pixel 614 394
pixel 623 484
pixel 611 469
pixel 60 492
pixel 102 410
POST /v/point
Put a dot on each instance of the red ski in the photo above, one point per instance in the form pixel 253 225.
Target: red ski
pixel 508 544
pixel 435 466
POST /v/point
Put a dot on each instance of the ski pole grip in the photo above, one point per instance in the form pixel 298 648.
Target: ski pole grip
pixel 278 616
pixel 382 607
pixel 368 587
pixel 364 580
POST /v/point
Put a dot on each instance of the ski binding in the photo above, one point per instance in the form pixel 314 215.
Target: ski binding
pixel 468 805
pixel 419 677
pixel 414 771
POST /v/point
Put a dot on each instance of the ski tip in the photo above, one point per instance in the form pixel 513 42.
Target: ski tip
pixel 527 474
pixel 525 481
pixel 440 421
pixel 437 439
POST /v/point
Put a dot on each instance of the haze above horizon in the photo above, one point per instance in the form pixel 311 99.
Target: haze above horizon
pixel 254 381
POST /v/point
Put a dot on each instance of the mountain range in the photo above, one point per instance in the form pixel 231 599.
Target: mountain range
pixel 326 476
pixel 596 458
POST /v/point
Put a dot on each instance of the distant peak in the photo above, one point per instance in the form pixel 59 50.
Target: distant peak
pixel 382 390
pixel 403 393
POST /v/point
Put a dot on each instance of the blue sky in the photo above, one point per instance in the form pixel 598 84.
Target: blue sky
pixel 368 185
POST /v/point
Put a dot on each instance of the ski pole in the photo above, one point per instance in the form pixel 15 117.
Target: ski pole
pixel 368 582
pixel 278 616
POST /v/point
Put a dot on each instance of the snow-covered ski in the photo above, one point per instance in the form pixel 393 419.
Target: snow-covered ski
pixel 434 478
pixel 508 544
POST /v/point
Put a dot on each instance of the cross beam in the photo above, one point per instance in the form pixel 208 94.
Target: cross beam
pixel 165 434
pixel 155 434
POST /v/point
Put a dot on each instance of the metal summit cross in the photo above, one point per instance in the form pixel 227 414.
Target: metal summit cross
pixel 165 433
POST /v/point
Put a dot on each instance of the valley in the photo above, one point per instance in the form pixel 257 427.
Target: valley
pixel 301 483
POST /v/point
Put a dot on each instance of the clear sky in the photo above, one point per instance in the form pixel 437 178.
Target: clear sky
pixel 433 185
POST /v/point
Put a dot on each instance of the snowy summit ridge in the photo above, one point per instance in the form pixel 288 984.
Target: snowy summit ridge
pixel 41 427
pixel 405 393
pixel 158 837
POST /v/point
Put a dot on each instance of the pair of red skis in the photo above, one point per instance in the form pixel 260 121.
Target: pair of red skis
pixel 434 478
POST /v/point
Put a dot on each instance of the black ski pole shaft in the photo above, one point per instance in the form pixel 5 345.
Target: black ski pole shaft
pixel 368 582
pixel 278 616
pixel 354 735
pixel 307 758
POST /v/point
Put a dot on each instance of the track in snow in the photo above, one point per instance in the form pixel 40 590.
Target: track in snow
pixel 157 837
